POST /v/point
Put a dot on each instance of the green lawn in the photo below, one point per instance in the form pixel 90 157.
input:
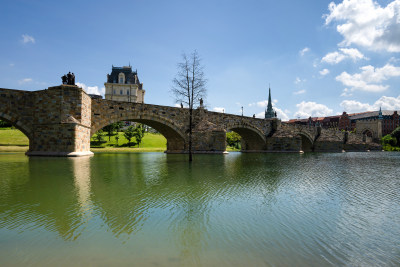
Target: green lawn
pixel 14 140
pixel 12 137
pixel 149 141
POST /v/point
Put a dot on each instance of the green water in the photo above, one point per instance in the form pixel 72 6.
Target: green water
pixel 153 209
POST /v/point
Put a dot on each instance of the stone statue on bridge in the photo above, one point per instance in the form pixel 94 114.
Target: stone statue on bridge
pixel 68 79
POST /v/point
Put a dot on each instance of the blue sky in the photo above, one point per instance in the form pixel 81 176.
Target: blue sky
pixel 320 57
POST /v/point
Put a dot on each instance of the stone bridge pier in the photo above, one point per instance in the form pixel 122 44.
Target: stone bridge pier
pixel 56 121
pixel 60 120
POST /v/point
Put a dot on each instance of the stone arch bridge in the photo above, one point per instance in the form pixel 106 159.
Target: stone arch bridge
pixel 60 120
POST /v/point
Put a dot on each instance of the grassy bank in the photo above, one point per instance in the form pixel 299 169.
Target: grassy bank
pixel 13 140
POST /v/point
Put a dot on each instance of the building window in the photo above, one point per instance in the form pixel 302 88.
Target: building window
pixel 120 92
pixel 114 92
pixel 121 80
pixel 127 92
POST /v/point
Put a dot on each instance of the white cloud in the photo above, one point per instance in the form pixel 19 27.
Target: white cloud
pixel 26 80
pixel 11 64
pixel 219 109
pixel 385 102
pixel 92 89
pixel 304 50
pixel 299 92
pixel 307 109
pixel 369 78
pixel 324 72
pixel 351 106
pixel 346 92
pixel 344 53
pixel 298 80
pixel 28 39
pixel 366 23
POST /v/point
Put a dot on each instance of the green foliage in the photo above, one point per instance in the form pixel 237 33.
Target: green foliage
pixel 396 134
pixel 109 129
pixel 129 134
pixel 139 134
pixel 389 140
pixel 4 124
pixel 116 139
pixel 118 126
pixel 233 139
pixel 99 136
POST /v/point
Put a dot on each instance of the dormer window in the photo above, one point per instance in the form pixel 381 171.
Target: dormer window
pixel 121 78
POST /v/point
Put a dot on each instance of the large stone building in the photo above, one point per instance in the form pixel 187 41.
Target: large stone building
pixel 375 124
pixel 123 85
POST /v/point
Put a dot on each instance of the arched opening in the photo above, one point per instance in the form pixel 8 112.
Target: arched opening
pixel 251 139
pixel 175 139
pixel 14 137
pixel 306 143
pixel 367 132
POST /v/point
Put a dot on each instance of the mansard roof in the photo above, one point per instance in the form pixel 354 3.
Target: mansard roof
pixel 129 75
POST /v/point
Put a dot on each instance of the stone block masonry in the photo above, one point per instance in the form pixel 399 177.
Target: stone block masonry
pixel 59 121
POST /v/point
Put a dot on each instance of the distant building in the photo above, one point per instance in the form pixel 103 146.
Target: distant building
pixel 269 112
pixel 375 124
pixel 123 85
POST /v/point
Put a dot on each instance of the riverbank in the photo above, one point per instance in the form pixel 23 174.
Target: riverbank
pixel 13 140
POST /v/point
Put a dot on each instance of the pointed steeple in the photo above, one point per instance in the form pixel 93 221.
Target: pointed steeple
pixel 269 112
pixel 380 116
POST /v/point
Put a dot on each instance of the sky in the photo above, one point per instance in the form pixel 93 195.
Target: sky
pixel 319 57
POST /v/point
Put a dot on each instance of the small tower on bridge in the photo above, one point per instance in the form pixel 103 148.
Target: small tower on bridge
pixel 269 112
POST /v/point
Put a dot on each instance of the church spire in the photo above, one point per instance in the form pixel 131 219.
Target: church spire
pixel 269 112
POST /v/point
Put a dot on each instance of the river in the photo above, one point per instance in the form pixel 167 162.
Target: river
pixel 153 209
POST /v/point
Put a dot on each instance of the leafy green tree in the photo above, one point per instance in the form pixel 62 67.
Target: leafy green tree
pixel 139 134
pixel 110 130
pixel 396 134
pixel 99 136
pixel 4 124
pixel 389 140
pixel 233 139
pixel 129 134
pixel 119 125
pixel 117 138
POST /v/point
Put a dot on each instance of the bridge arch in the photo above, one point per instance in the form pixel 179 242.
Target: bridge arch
pixel 176 140
pixel 253 139
pixel 368 132
pixel 17 124
pixel 307 144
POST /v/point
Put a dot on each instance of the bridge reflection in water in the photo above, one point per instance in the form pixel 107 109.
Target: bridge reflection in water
pixel 281 209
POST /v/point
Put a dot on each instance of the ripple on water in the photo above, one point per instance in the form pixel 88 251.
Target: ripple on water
pixel 236 209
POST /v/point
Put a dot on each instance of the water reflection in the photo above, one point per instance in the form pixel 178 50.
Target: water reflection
pixel 237 209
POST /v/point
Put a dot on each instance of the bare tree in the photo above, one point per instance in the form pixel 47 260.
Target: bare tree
pixel 189 87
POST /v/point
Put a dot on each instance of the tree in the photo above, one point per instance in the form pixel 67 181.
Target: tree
pixel 116 139
pixel 233 139
pixel 129 134
pixel 139 133
pixel 189 87
pixel 119 125
pixel 396 134
pixel 99 136
pixel 110 130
